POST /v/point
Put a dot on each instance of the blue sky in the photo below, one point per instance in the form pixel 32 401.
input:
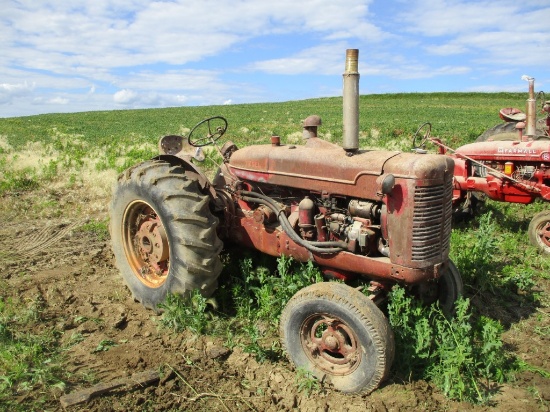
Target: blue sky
pixel 72 56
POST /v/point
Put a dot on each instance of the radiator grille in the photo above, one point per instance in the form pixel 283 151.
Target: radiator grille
pixel 432 221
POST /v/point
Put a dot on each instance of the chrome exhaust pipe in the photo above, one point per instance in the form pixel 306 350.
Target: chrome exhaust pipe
pixel 351 102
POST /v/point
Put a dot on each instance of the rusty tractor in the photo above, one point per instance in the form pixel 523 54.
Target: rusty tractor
pixel 373 218
pixel 508 163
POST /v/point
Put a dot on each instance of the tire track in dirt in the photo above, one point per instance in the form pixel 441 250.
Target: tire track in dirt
pixel 24 241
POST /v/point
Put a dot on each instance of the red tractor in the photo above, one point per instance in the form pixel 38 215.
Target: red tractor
pixel 508 163
pixel 377 218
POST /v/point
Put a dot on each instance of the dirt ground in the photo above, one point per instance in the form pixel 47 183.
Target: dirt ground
pixel 73 274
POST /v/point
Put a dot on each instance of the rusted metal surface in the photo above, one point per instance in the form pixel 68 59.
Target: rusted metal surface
pixel 331 344
pixel 331 170
pixel 351 102
pixel 145 244
pixel 271 239
pixel 543 232
pixel 512 114
pixel 382 215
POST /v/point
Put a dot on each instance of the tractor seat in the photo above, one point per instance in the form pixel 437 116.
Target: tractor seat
pixel 511 114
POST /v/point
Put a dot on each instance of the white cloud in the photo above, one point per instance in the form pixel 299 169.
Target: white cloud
pixel 58 100
pixel 506 31
pixel 323 59
pixel 8 91
pixel 125 97
pixel 62 55
pixel 451 17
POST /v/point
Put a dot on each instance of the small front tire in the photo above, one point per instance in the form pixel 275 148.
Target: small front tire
pixel 445 290
pixel 339 335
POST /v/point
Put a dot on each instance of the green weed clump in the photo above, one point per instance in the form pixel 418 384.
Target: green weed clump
pixel 495 258
pixel 30 365
pixel 246 308
pixel 261 296
pixel 99 228
pixel 187 312
pixel 17 181
pixel 463 355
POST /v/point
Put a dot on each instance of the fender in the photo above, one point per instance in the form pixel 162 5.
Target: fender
pixel 190 168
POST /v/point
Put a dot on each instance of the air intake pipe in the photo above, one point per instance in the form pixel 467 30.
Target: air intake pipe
pixel 351 102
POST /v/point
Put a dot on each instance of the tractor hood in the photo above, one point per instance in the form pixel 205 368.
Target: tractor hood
pixel 331 169
pixel 536 150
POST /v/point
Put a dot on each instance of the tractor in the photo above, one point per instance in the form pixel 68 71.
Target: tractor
pixel 369 219
pixel 508 163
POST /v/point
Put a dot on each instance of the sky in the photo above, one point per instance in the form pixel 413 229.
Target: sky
pixel 60 56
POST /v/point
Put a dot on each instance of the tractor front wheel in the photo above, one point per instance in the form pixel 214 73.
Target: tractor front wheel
pixel 339 335
pixel 163 233
pixel 539 231
pixel 450 287
pixel 446 290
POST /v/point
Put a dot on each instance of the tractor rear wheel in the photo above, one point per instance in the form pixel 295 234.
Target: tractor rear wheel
pixel 539 231
pixel 339 335
pixel 163 233
pixel 500 132
pixel 507 131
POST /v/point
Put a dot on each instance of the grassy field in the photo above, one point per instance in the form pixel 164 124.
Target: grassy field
pixel 505 277
pixel 31 147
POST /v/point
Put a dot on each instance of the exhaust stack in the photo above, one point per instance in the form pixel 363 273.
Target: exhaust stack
pixel 351 102
pixel 531 109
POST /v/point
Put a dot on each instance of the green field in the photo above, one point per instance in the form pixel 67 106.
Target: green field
pixel 456 116
pixel 115 140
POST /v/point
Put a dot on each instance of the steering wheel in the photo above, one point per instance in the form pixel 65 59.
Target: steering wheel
pixel 216 126
pixel 425 136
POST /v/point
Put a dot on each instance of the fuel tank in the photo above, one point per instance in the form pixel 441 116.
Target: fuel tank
pixel 333 170
pixel 529 151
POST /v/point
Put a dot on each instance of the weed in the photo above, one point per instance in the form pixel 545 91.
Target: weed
pixel 261 295
pixel 306 383
pixel 461 356
pixel 474 253
pixel 522 366
pixel 187 312
pixel 104 345
pixel 29 363
pixel 76 338
pixel 18 180
pixel 100 228
pixel 255 347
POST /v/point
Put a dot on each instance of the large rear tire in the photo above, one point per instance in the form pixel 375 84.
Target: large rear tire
pixel 507 131
pixel 500 132
pixel 163 233
pixel 539 231
pixel 339 335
